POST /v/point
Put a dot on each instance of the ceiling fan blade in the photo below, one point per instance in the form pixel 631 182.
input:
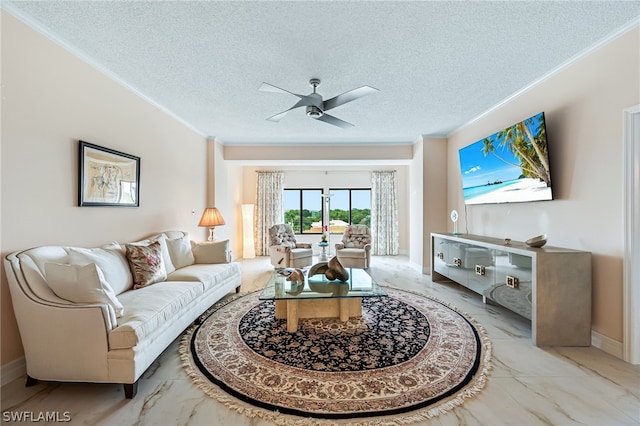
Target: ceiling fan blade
pixel 266 87
pixel 305 101
pixel 278 116
pixel 335 121
pixel 349 96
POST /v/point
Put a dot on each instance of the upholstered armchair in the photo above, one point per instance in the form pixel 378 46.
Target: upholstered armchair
pixel 354 251
pixel 285 251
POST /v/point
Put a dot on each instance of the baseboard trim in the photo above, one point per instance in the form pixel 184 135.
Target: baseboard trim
pixel 13 370
pixel 607 344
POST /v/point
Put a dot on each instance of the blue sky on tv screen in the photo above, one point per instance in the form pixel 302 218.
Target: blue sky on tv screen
pixel 478 169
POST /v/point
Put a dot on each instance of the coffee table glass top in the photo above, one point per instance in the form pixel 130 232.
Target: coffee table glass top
pixel 359 284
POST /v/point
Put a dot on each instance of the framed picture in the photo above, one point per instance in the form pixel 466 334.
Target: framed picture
pixel 107 177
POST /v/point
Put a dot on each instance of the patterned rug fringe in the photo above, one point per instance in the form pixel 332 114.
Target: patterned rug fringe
pixel 420 415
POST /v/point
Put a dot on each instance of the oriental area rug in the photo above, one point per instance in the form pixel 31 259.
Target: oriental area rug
pixel 408 358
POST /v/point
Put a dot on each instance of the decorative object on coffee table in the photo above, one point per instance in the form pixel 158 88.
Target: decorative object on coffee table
pixel 333 270
pixel 317 268
pixel 296 277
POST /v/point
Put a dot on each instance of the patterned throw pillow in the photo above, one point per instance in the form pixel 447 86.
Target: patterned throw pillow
pixel 146 263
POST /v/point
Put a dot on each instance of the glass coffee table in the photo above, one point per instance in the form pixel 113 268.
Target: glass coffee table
pixel 319 297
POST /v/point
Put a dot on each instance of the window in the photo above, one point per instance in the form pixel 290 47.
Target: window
pixel 303 210
pixel 349 206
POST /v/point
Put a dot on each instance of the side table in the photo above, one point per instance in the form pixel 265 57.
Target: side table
pixel 323 254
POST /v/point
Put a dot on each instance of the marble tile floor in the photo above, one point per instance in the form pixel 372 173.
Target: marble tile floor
pixel 528 385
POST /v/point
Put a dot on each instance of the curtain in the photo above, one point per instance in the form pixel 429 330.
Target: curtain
pixel 269 207
pixel 384 213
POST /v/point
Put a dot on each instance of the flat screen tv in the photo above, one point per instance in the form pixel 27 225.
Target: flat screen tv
pixel 509 166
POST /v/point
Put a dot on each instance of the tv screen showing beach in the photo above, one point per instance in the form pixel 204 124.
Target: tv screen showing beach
pixel 510 166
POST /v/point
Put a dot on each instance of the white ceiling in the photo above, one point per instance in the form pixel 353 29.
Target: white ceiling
pixel 438 64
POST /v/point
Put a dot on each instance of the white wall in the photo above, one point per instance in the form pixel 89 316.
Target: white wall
pixel 434 203
pixel 50 100
pixel 227 197
pixel 417 253
pixel 583 107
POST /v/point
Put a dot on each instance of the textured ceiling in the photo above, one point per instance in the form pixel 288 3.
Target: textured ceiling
pixel 438 64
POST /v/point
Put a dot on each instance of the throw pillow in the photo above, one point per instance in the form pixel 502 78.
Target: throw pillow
pixel 180 251
pixel 81 284
pixel 162 239
pixel 211 252
pixel 111 261
pixel 147 264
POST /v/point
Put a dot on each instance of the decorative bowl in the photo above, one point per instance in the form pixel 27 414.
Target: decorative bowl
pixel 538 241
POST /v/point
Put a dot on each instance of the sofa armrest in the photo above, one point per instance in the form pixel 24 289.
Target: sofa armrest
pixel 279 249
pixel 339 246
pixel 62 341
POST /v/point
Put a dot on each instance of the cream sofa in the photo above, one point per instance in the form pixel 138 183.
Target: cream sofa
pixel 82 319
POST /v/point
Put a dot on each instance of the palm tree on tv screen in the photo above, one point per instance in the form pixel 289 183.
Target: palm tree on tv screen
pixel 530 149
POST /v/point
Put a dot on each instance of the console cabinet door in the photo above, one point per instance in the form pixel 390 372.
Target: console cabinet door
pixel 513 285
pixel 440 256
pixel 457 268
pixel 482 274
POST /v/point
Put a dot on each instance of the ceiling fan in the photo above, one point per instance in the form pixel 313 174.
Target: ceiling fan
pixel 315 106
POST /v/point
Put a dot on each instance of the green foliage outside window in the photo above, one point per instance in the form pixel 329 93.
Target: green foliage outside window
pixel 292 217
pixel 358 216
pixel 311 223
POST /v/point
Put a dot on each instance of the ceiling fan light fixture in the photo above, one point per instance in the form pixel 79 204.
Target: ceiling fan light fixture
pixel 314 112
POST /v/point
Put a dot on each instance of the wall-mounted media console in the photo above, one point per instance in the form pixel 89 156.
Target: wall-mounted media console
pixel 551 286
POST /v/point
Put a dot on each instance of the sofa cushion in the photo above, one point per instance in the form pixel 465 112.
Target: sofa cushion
pixel 211 252
pixel 111 261
pixel 150 308
pixel 147 264
pixel 209 275
pixel 81 284
pixel 180 252
pixel 299 253
pixel 353 253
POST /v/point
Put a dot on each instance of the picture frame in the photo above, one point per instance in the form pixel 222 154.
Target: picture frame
pixel 107 177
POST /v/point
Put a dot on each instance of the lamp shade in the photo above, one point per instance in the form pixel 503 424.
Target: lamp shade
pixel 211 217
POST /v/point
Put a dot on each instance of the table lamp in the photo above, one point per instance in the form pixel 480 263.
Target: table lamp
pixel 211 218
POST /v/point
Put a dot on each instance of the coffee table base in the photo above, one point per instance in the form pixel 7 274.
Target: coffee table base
pixel 293 310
